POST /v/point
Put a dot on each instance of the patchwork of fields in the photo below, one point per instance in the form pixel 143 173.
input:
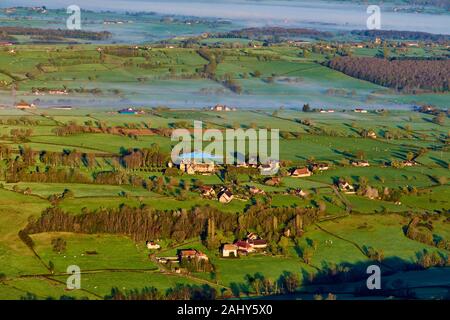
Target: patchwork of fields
pixel 349 225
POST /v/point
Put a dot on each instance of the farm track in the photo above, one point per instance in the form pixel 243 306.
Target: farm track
pixel 348 205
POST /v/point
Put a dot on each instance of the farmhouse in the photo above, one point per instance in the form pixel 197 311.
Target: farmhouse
pixel 251 244
pixel 254 190
pixel 58 92
pixel 197 162
pixel 274 181
pixel 25 106
pixel 371 134
pixel 269 168
pixel 165 260
pixel 222 107
pixel 301 172
pixel 230 250
pixel 300 193
pixel 225 196
pixel 346 187
pixel 319 166
pixel 192 167
pixel 152 245
pixel 409 163
pixel 244 247
pixel 258 243
pixel 67 108
pixel 360 163
pixel 207 191
pixel 130 111
pixel 191 254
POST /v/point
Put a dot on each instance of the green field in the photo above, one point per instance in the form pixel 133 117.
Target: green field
pixel 92 161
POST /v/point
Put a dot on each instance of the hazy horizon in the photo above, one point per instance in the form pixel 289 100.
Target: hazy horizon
pixel 321 14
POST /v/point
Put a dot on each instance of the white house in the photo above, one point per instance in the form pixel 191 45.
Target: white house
pixel 152 245
pixel 229 250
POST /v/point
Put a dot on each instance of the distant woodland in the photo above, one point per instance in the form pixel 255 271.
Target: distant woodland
pixel 403 75
pixel 78 34
pixel 253 33
pixel 402 35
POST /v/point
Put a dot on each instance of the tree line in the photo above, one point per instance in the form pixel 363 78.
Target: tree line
pixel 405 75
pixel 66 33
pixel 256 33
pixel 144 223
pixel 402 35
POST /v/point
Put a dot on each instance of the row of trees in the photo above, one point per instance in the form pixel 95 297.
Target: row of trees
pixel 146 223
pixel 402 35
pixel 21 121
pixel 276 32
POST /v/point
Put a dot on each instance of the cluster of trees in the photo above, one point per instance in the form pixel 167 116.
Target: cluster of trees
pixel 59 245
pixel 275 32
pixel 21 121
pixel 19 134
pixel 209 70
pixel 428 259
pixel 146 223
pixel 128 52
pixel 146 157
pixel 19 172
pixel 179 292
pixel 422 232
pixel 65 33
pixel 405 75
pixel 231 84
pixel 257 283
pixel 5 152
pixel 73 128
pixel 196 265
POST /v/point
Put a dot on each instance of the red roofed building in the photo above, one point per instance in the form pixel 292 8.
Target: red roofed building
pixel 244 247
pixel 191 254
pixel 301 172
pixel 258 244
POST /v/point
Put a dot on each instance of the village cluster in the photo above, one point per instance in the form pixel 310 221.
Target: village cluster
pixel 242 247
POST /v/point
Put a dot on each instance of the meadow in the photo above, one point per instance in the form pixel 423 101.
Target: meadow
pixel 269 77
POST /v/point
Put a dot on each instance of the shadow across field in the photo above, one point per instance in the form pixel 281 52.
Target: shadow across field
pixel 346 279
